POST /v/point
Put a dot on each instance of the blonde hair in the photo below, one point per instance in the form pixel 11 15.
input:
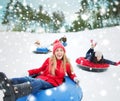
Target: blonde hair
pixel 98 54
pixel 53 64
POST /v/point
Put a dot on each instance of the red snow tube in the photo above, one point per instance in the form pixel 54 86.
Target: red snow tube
pixel 87 65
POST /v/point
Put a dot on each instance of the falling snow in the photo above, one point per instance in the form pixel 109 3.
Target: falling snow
pixel 16 52
pixel 16 57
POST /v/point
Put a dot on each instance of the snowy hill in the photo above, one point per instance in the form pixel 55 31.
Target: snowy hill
pixel 16 57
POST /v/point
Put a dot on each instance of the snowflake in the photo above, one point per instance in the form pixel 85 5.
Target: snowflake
pixel 31 98
pixel 1 7
pixel 85 16
pixel 103 92
pixel 63 88
pixel 105 42
pixel 102 11
pixel 48 92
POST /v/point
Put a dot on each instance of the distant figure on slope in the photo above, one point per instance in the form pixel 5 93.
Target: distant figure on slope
pixel 63 40
pixel 41 49
pixel 97 56
pixel 37 43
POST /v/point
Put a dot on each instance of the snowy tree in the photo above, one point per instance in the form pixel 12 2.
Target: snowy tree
pixel 97 14
pixel 58 20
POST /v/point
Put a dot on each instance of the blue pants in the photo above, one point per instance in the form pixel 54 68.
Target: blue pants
pixel 37 84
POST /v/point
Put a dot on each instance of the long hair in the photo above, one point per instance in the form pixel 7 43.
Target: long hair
pixel 53 64
pixel 94 59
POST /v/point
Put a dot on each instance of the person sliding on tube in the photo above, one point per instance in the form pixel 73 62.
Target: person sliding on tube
pixel 50 74
pixel 97 56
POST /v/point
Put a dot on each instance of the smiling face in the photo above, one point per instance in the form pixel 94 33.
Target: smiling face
pixel 59 52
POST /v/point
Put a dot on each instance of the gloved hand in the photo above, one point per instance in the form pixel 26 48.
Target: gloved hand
pixel 93 44
pixel 76 80
pixel 117 63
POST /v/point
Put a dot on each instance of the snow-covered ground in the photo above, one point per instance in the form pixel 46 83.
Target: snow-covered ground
pixel 16 57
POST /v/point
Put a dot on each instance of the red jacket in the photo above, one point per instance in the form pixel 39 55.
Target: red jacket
pixel 55 80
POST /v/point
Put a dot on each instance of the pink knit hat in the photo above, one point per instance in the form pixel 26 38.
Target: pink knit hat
pixel 56 41
pixel 56 45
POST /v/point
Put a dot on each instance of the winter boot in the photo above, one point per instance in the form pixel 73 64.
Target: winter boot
pixel 12 92
pixel 1 88
pixel 7 88
pixel 19 90
pixel 23 89
pixel 117 63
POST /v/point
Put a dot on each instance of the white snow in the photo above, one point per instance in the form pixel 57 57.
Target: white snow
pixel 16 57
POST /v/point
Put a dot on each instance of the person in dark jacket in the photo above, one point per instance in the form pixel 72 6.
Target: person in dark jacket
pixel 63 40
pixel 97 56
pixel 50 74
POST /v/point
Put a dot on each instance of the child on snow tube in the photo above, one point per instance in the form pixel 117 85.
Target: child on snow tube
pixel 63 40
pixel 97 56
pixel 41 49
